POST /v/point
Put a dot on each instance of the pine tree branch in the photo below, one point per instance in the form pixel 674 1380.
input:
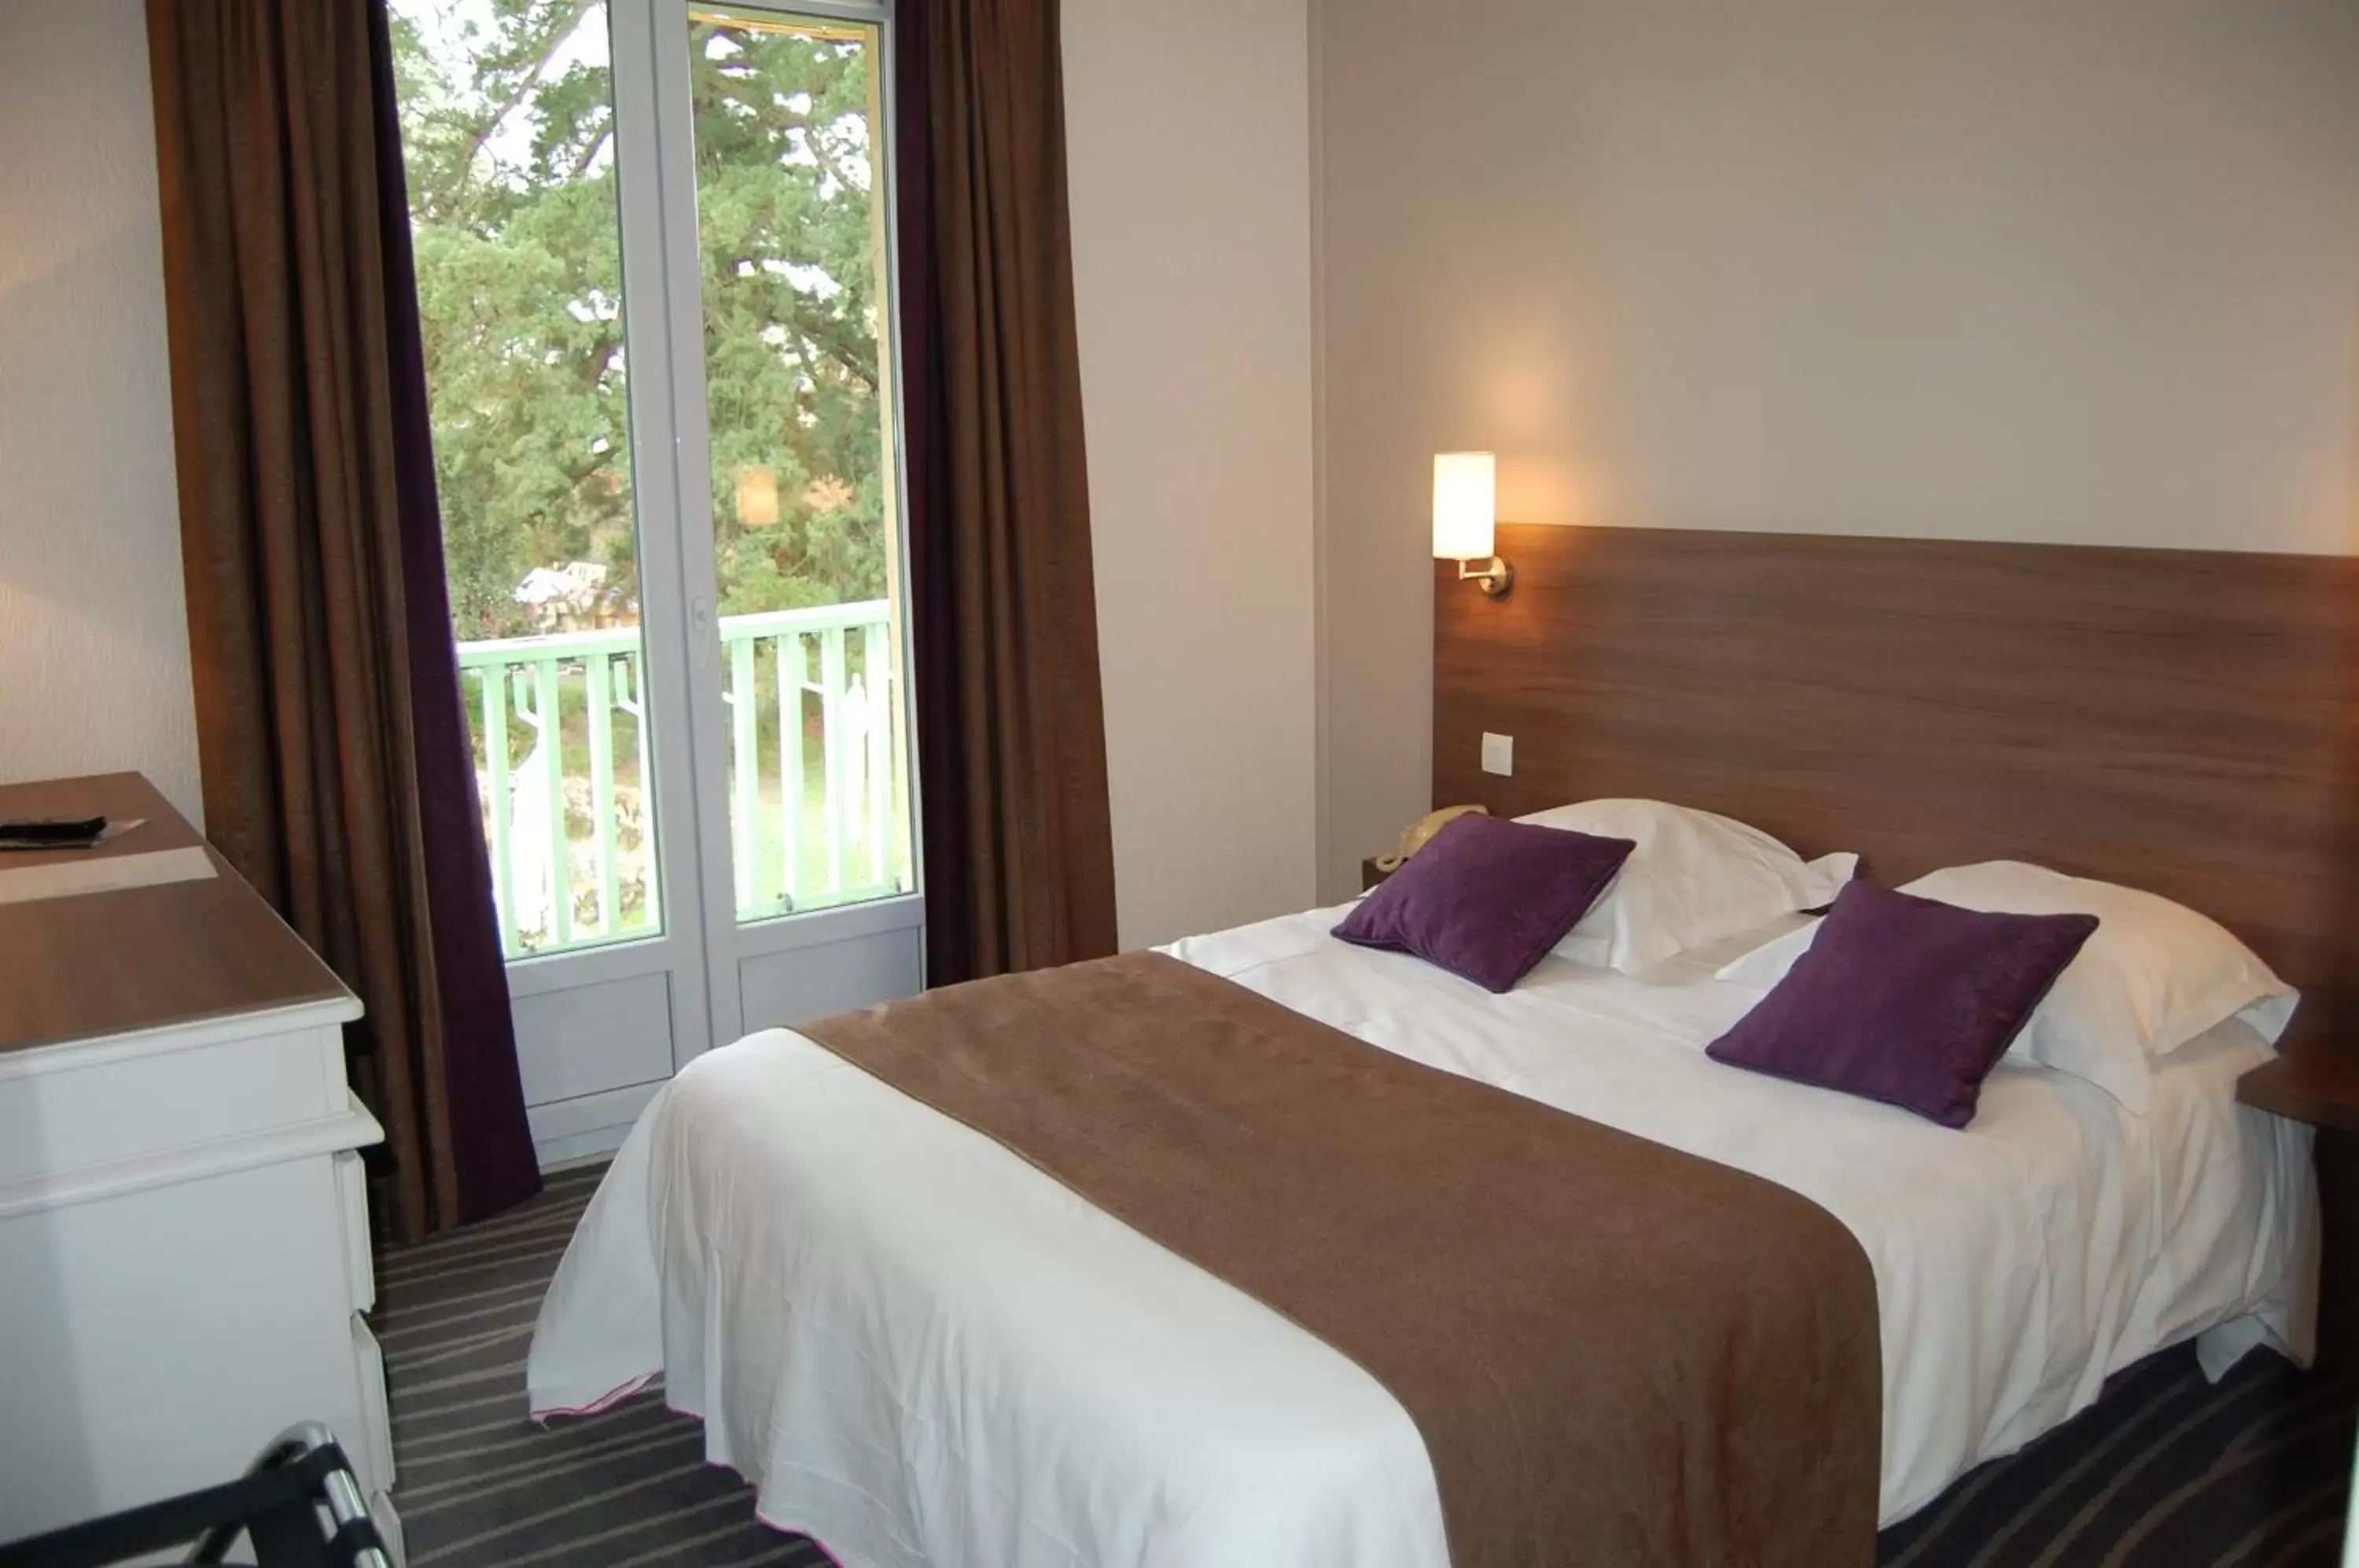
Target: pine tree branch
pixel 541 51
pixel 589 155
pixel 817 145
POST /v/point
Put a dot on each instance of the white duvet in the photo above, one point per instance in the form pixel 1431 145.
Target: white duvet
pixel 926 1353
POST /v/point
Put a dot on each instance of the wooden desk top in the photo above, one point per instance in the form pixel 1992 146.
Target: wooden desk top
pixel 104 964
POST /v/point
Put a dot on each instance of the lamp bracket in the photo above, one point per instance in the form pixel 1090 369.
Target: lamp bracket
pixel 1498 578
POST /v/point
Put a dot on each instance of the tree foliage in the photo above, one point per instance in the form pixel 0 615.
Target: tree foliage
pixel 508 129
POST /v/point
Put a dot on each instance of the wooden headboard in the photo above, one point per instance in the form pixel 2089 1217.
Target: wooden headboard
pixel 2178 721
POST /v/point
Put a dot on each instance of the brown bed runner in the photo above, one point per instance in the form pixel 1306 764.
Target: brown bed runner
pixel 1617 1354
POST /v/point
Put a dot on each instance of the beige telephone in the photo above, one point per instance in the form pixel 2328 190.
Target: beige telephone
pixel 1413 837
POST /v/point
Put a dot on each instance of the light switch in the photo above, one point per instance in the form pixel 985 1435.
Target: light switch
pixel 1498 753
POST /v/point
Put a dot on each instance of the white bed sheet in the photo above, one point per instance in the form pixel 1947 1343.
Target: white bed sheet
pixel 926 1353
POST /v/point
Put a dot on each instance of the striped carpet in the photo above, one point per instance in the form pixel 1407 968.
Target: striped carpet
pixel 2165 1471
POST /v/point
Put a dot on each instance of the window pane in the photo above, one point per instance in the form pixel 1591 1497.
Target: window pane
pixel 796 394
pixel 507 130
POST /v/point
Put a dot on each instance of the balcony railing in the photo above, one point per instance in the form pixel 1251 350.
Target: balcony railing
pixel 817 806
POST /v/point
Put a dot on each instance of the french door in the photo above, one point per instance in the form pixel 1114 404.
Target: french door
pixel 655 254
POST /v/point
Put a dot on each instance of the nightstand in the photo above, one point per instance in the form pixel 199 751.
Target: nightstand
pixel 2317 1081
pixel 2314 1081
pixel 1371 874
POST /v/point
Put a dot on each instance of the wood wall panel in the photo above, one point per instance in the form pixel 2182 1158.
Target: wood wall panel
pixel 2179 721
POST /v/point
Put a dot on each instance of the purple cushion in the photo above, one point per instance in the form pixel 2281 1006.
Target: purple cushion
pixel 1486 899
pixel 1905 1000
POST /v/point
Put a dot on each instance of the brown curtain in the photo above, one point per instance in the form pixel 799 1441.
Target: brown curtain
pixel 1011 733
pixel 337 776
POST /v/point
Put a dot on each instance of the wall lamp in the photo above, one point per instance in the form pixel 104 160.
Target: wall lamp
pixel 1465 516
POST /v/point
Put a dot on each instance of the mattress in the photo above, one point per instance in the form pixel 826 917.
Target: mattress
pixel 926 1353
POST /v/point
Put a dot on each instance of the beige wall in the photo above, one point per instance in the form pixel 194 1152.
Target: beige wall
pixel 1188 135
pixel 1953 268
pixel 94 637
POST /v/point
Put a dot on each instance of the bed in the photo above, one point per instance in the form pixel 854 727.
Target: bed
pixel 922 1351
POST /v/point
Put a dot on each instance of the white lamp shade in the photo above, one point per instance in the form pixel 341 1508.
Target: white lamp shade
pixel 1465 505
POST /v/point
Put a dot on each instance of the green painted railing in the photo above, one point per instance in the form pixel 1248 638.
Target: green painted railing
pixel 817 806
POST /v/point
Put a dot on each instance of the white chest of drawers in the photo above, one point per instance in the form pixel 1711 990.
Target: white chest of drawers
pixel 184 1239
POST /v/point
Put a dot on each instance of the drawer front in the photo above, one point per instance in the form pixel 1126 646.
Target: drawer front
pixel 351 1199
pixel 155 1341
pixel 97 1105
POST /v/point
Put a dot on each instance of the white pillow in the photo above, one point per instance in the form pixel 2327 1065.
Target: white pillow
pixel 1693 878
pixel 2153 976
